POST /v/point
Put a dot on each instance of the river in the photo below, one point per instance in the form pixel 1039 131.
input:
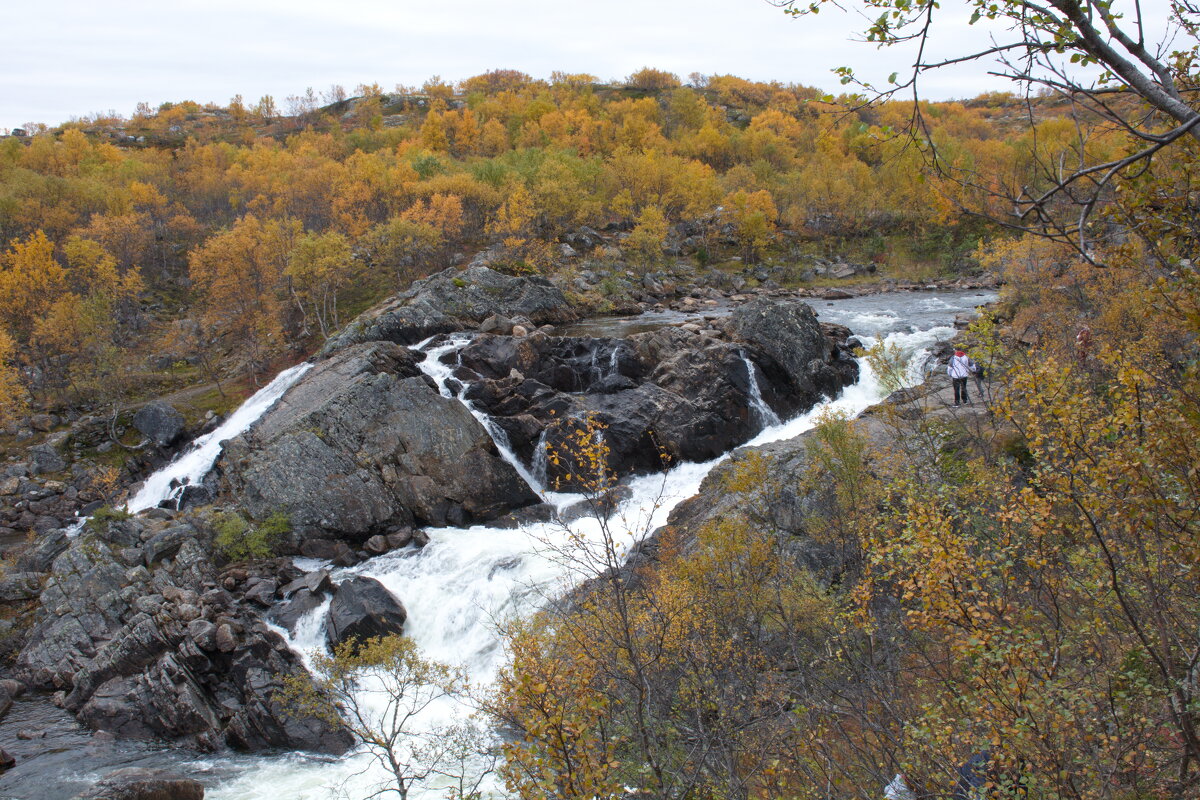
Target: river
pixel 460 585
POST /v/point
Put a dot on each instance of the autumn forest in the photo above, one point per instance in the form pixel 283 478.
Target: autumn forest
pixel 998 600
pixel 227 237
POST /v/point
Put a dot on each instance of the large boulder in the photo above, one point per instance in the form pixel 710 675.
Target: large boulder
pixel 138 783
pixel 363 609
pixel 160 423
pixel 364 442
pixel 800 361
pixel 659 397
pixel 45 458
pixel 455 300
pixel 162 652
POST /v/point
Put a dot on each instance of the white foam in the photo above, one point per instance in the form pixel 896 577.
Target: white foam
pixel 460 586
pixel 191 466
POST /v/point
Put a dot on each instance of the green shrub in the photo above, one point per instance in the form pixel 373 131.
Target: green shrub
pixel 104 516
pixel 238 540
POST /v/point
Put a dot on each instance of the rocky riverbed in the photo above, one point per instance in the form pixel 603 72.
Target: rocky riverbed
pixel 143 628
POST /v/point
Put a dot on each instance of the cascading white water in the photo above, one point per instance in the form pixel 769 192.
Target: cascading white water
pixel 766 415
pixel 192 465
pixel 541 458
pixel 441 373
pixel 465 580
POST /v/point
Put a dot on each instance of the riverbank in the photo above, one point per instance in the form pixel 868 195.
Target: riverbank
pixel 468 577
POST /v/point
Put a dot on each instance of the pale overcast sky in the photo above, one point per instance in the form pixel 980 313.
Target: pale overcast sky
pixel 70 58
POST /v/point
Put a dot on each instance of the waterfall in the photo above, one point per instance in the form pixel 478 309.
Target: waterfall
pixel 434 368
pixel 540 466
pixel 466 580
pixel 766 415
pixel 595 374
pixel 192 465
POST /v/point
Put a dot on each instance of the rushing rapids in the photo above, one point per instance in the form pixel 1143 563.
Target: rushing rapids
pixel 465 580
pixel 191 466
pixel 459 586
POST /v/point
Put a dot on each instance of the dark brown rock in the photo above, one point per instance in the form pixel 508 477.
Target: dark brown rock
pixel 136 783
pixel 361 609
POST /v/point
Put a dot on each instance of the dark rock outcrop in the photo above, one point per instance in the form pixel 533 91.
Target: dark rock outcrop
pixel 161 650
pixel 454 300
pixel 364 442
pixel 801 362
pixel 45 458
pixel 361 609
pixel 136 783
pixel 657 397
pixel 160 423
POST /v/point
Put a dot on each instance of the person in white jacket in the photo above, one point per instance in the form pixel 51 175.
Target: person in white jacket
pixel 960 368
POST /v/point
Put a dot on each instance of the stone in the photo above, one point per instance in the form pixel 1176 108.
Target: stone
pixel 262 592
pixel 45 458
pixel 42 422
pixel 166 544
pixel 363 442
pixel 225 639
pixel 790 340
pixel 454 300
pixel 316 582
pixel 138 783
pixel 842 271
pixel 203 633
pixel 132 653
pixel 20 586
pixel 160 423
pixel 362 608
pixel 401 538
pixel 41 554
pixel 289 613
pixel 323 549
pixel 377 545
pixel 496 324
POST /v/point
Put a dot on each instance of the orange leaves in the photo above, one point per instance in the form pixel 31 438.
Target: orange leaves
pixel 443 212
pixel 239 273
pixel 12 394
pixel 753 215
pixel 31 280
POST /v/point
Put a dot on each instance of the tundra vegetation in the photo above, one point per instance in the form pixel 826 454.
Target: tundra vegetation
pixel 195 244
pixel 1018 594
pixel 1000 609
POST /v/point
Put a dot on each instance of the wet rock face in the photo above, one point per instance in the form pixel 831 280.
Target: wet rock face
pixel 563 363
pixel 159 423
pixel 802 363
pixel 667 395
pixel 454 300
pixel 364 442
pixel 362 609
pixel 135 783
pixel 161 650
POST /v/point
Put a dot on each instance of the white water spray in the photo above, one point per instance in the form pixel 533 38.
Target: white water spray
pixel 766 415
pixel 191 466
pixel 441 373
pixel 465 580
